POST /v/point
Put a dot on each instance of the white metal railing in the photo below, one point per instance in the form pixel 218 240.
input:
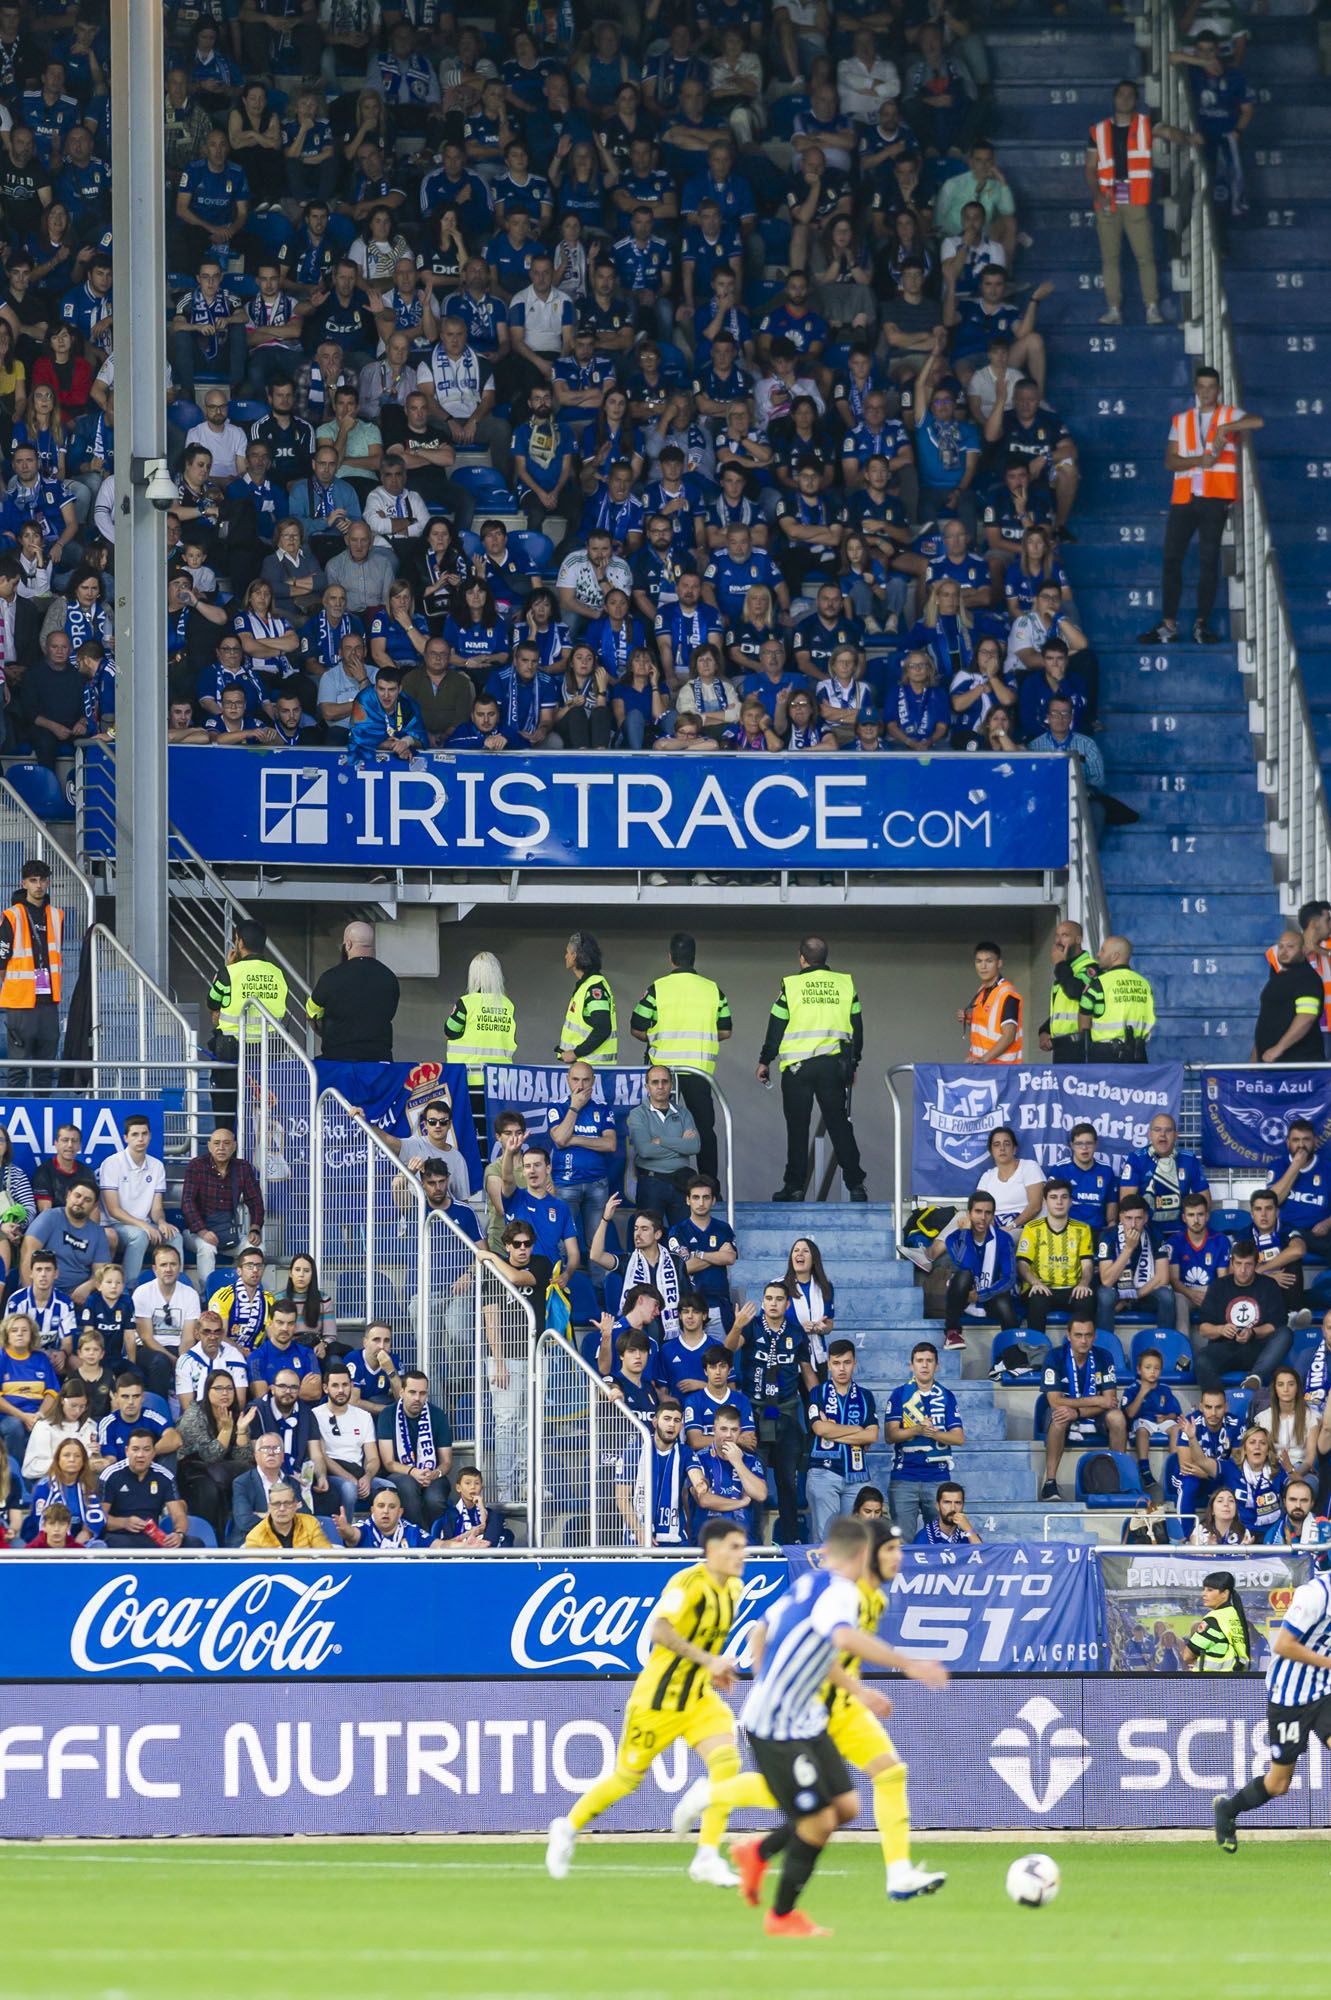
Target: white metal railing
pixel 203 919
pixel 136 1025
pixel 1299 835
pixel 591 1470
pixel 277 1091
pixel 1087 904
pixel 23 837
pixel 726 1163
pixel 385 1254
pixel 488 1330
pixel 367 1226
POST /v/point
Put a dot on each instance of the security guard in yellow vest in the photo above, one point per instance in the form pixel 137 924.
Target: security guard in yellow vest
pixel 31 976
pixel 1123 1030
pixel 249 974
pixel 816 1032
pixel 483 1026
pixel 590 1032
pixel 1220 1642
pixel 1076 999
pixel 684 1017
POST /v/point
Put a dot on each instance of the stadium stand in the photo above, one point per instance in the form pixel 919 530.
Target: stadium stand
pixel 401 390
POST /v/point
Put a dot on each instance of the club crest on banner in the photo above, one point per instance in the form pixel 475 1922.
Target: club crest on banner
pixel 963 1114
pixel 1247 1113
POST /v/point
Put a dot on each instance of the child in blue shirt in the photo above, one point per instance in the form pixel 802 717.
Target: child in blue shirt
pixel 1153 1413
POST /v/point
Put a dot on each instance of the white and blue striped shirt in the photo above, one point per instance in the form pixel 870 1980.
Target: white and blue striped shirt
pixel 1290 1683
pixel 800 1653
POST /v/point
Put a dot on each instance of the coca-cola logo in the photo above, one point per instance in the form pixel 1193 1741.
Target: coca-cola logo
pixel 557 1627
pixel 268 1623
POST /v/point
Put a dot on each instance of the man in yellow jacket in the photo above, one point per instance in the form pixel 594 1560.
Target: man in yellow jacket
pixel 284 1526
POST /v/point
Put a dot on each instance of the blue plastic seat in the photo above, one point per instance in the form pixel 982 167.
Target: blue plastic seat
pixel 674 361
pixel 532 550
pixel 349 1300
pixel 1001 1340
pixel 1129 1480
pixel 272 230
pixel 223 1275
pixel 479 479
pixel 184 414
pixel 1173 1346
pixel 246 410
pixel 41 792
pixel 202 1531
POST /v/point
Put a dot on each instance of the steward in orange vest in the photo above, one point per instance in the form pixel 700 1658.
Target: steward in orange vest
pixel 993 1018
pixel 1203 457
pixel 31 976
pixel 1119 177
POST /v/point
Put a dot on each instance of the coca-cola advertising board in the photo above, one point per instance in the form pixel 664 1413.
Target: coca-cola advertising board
pixel 1018 1607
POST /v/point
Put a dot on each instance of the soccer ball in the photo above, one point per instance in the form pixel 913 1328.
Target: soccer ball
pixel 1033 1880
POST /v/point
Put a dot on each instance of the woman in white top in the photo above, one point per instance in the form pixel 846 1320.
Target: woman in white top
pixel 812 1298
pixel 70 1419
pixel 1291 1426
pixel 1016 1185
pixel 377 249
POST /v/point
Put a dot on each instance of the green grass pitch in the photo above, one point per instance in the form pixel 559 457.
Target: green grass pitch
pixel 381 1920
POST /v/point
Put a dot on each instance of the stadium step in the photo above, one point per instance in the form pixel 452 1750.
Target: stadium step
pixel 1223 860
pixel 1221 798
pixel 1208 916
pixel 1170 677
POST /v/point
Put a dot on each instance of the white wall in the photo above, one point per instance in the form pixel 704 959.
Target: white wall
pixel 913 970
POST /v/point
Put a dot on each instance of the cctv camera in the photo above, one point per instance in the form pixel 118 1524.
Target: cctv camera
pixel 161 488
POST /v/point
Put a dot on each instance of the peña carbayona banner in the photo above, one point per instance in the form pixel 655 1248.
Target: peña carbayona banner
pixel 1010 1607
pixel 560 809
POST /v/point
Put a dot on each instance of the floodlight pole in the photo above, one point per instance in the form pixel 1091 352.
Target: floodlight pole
pixel 138 170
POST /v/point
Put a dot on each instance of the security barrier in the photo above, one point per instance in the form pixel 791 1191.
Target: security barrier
pixel 592 1463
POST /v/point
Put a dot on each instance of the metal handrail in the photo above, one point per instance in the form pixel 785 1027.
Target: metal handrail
pixel 728 1128
pixel 100 938
pixel 1087 903
pixel 203 944
pixel 1299 836
pixel 598 1395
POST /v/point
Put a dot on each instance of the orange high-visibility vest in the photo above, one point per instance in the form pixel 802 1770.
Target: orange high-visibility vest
pixel 20 981
pixel 1219 481
pixel 986 1021
pixel 1320 961
pixel 1139 158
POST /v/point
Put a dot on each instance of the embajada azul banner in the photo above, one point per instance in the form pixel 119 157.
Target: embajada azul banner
pixel 1247 1112
pixel 609 810
pixel 957 1106
pixel 1015 1607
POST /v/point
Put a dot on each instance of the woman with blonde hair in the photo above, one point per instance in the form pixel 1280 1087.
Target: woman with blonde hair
pixel 755 626
pixel 944 630
pixel 483 1026
pixel 918 715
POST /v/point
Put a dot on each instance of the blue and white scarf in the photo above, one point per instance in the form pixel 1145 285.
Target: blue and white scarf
pixel 424 1457
pixel 664 1276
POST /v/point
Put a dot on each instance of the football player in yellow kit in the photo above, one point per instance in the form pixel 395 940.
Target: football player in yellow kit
pixel 855 1724
pixel 678 1693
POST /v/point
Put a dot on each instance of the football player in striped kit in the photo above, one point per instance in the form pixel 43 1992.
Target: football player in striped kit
pixel 1298 1694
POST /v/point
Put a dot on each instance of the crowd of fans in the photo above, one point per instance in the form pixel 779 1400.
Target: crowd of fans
pixel 134 1403
pixel 722 300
